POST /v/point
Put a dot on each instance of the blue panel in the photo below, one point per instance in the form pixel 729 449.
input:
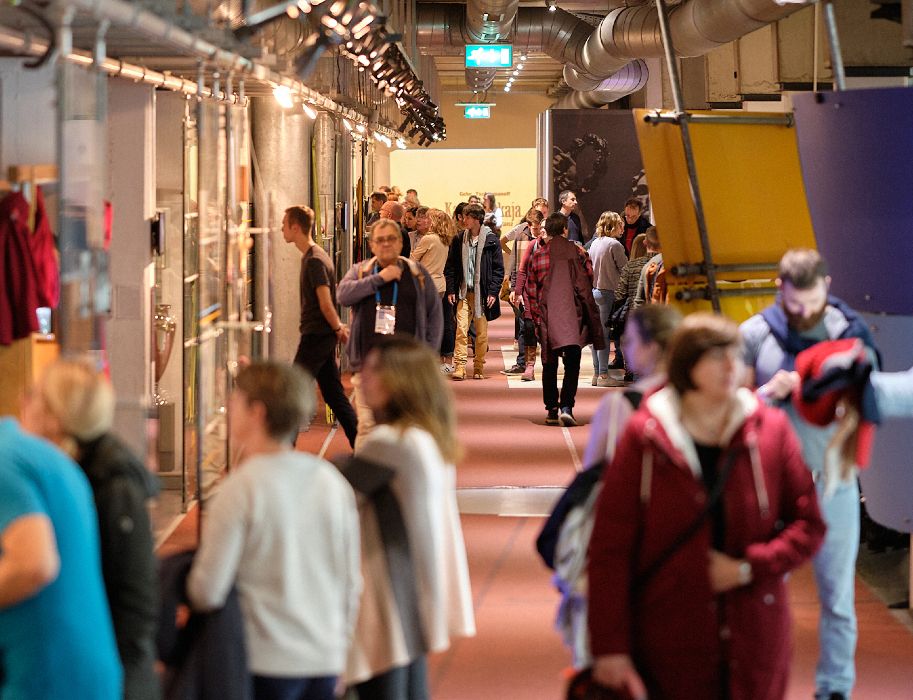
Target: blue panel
pixel 856 150
pixel 888 482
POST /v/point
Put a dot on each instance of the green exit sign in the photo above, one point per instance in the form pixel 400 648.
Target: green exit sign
pixel 489 55
pixel 477 112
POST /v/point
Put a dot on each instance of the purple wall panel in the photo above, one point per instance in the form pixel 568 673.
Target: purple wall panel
pixel 856 151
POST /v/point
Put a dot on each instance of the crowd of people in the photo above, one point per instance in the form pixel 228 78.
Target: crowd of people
pixel 726 460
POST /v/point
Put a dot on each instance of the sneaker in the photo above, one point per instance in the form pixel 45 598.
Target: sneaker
pixel 529 374
pixel 446 369
pixel 478 375
pixel 516 369
pixel 566 418
pixel 608 381
pixel 595 380
pixel 551 418
pixel 458 374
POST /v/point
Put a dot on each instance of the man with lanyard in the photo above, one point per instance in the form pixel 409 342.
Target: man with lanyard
pixel 568 202
pixel 388 294
pixel 804 315
pixel 320 327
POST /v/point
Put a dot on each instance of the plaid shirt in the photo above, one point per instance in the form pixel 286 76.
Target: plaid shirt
pixel 537 272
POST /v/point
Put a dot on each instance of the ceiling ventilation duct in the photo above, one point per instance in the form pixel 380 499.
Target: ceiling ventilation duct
pixel 487 22
pixel 627 33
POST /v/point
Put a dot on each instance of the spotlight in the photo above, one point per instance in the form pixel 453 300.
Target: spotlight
pixel 308 110
pixel 360 128
pixel 283 95
pixel 516 73
pixel 401 144
pixel 552 5
pixel 507 88
pixel 347 124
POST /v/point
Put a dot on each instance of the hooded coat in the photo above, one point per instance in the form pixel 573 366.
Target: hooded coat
pixel 677 631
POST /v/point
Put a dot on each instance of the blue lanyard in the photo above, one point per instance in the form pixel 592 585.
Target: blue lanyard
pixel 377 292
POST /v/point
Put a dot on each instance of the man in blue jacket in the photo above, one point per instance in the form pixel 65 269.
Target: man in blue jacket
pixel 804 315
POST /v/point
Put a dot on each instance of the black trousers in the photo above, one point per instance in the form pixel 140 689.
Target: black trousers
pixel 317 354
pixel 448 339
pixel 570 355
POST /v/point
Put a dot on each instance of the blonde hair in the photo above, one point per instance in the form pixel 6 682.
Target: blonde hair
pixel 639 246
pixel 607 223
pixel 442 225
pixel 80 398
pixel 418 395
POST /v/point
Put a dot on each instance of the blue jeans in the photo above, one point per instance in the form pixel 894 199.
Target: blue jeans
pixel 274 688
pixel 604 300
pixel 835 574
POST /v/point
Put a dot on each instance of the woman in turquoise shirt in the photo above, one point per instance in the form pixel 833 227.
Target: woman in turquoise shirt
pixel 56 638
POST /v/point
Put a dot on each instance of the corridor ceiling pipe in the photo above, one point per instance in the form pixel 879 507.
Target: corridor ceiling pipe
pixel 627 33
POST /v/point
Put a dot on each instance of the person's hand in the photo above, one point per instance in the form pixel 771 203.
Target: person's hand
pixel 491 301
pixel 617 671
pixel 342 334
pixel 451 298
pixel 391 273
pixel 726 573
pixel 780 386
pixel 513 297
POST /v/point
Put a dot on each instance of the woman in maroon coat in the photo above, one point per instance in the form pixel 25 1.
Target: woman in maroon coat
pixel 713 621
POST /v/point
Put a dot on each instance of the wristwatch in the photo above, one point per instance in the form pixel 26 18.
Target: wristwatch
pixel 745 573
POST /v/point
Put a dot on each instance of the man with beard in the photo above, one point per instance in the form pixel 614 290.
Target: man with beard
pixel 804 315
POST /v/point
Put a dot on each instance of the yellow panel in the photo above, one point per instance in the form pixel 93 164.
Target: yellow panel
pixel 737 307
pixel 753 196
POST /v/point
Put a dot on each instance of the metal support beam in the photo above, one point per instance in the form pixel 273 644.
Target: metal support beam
pixel 833 40
pixel 675 79
pixel 736 119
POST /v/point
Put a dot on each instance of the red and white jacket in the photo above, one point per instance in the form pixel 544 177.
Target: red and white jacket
pixel 676 629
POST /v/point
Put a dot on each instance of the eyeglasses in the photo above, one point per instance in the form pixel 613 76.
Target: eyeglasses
pixel 383 240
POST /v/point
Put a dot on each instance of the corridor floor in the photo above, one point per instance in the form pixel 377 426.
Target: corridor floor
pixel 512 470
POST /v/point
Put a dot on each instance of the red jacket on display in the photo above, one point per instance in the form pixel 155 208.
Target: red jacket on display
pixel 44 254
pixel 18 278
pixel 675 628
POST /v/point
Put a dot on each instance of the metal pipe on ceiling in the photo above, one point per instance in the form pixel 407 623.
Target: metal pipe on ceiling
pixel 629 32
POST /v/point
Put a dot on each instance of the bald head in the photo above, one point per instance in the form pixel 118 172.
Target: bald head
pixel 393 211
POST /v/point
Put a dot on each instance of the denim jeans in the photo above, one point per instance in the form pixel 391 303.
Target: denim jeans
pixel 835 574
pixel 271 688
pixel 604 300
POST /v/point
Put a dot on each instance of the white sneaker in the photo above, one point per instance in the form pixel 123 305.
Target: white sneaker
pixel 446 369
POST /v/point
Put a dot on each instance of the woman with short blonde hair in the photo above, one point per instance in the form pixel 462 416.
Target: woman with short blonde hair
pixel 610 224
pixel 72 405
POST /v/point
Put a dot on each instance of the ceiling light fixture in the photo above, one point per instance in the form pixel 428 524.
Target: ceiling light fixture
pixel 283 95
pixel 308 110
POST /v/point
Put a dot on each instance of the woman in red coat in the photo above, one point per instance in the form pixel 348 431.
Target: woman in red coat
pixel 713 620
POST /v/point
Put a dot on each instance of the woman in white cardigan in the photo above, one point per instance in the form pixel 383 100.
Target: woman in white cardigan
pixel 416 440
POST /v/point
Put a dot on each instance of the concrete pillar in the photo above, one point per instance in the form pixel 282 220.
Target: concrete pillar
pixel 325 150
pixel 282 148
pixel 131 191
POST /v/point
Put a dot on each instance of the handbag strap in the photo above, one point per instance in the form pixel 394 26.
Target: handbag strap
pixel 693 528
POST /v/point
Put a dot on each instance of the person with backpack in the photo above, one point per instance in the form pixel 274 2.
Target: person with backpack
pixel 707 505
pixel 565 537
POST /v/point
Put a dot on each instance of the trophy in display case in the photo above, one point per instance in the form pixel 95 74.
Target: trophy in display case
pixel 164 327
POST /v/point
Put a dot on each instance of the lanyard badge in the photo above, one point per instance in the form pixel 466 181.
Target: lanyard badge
pixel 385 316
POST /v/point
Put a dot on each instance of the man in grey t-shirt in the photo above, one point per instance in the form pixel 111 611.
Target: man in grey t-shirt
pixel 321 329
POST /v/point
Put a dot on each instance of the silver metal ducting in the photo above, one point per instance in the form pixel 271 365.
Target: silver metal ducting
pixel 631 78
pixel 488 21
pixel 593 56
